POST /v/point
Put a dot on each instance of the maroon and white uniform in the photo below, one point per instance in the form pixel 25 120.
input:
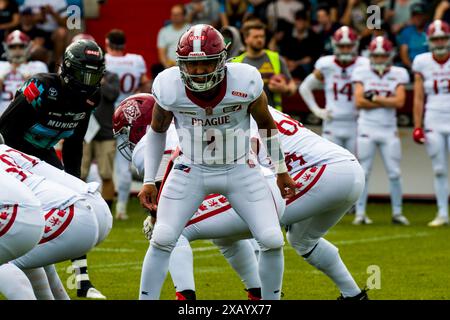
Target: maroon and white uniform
pixel 71 228
pixel 339 99
pixel 436 81
pixel 21 218
pixel 88 191
pixel 377 128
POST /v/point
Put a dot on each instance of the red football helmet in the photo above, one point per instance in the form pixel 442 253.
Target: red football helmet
pixel 201 45
pixel 17 47
pixel 438 37
pixel 83 36
pixel 381 54
pixel 130 121
pixel 343 38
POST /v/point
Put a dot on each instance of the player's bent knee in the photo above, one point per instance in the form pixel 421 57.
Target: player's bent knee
pixel 164 237
pixel 271 239
pixel 322 255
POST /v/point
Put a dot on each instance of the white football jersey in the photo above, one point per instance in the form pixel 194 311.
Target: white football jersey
pixel 302 147
pixel 216 133
pixel 13 79
pixel 50 194
pixel 129 68
pixel 436 78
pixel 384 86
pixel 338 86
pixel 172 144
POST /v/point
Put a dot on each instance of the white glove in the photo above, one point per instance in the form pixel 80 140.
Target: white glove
pixel 322 113
pixel 148 228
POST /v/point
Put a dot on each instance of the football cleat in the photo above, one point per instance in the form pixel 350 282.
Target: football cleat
pixel 400 219
pixel 185 295
pixel 91 293
pixel 360 296
pixel 254 294
pixel 359 220
pixel 438 222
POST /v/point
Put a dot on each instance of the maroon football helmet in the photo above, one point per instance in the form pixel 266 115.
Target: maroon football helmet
pixel 201 44
pixel 381 54
pixel 438 33
pixel 130 121
pixel 17 47
pixel 345 36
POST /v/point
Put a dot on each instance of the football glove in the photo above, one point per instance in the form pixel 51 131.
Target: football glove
pixel 148 228
pixel 419 135
pixel 369 95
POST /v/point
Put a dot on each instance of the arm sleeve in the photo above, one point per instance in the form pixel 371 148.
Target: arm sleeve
pixel 72 150
pixel 155 144
pixel 306 91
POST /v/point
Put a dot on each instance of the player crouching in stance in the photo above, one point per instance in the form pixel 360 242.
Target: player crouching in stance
pixel 76 219
pixel 210 98
pixel 21 228
pixel 379 92
pixel 431 80
pixel 320 168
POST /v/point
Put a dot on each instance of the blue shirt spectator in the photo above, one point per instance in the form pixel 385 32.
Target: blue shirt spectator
pixel 413 39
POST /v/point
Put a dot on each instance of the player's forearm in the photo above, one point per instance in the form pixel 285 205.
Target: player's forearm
pixel 154 150
pixel 390 102
pixel 363 103
pixel 419 99
pixel 72 152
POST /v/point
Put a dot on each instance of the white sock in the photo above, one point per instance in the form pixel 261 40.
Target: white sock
pixel 55 283
pixel 441 189
pixel 241 256
pixel 271 267
pixel 396 196
pixel 325 257
pixel 40 284
pixel 181 266
pixel 154 272
pixel 14 284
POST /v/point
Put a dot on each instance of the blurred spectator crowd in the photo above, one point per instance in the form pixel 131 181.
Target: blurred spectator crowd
pixel 301 30
pixel 44 21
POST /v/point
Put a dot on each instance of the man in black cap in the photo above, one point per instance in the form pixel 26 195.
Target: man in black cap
pixel 413 39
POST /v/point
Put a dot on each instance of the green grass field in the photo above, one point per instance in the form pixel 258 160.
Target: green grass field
pixel 414 261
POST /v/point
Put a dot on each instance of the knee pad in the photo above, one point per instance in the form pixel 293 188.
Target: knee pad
pixel 271 239
pixel 322 255
pixel 163 237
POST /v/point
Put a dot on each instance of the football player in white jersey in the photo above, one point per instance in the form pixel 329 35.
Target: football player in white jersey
pixel 320 167
pixel 76 219
pixel 17 69
pixel 432 97
pixel 379 92
pixel 211 102
pixel 334 72
pixel 131 70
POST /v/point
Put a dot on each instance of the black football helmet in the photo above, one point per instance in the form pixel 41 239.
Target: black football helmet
pixel 83 66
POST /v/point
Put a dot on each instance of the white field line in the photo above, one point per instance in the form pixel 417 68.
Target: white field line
pixel 138 264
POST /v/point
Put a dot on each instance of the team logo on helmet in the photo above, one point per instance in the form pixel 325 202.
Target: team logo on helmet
pixel 131 111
